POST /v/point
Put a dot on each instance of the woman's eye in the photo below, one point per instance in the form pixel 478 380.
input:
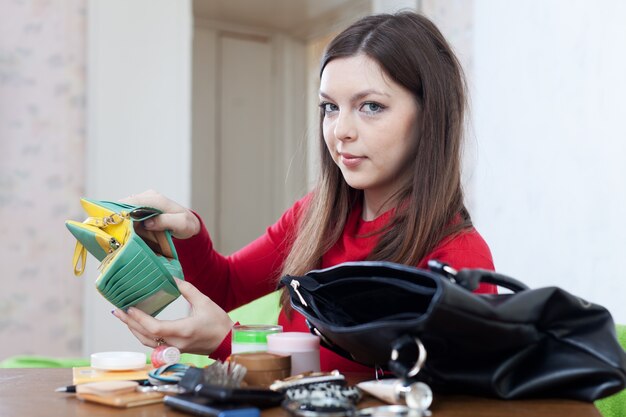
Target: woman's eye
pixel 371 107
pixel 328 107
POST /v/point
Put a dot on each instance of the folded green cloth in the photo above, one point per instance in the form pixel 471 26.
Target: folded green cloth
pixel 263 310
pixel 29 361
pixel 615 405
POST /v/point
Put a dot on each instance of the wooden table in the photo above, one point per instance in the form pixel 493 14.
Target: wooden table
pixel 30 393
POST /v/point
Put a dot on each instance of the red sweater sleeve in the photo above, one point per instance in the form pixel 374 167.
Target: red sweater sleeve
pixel 223 351
pixel 465 250
pixel 247 274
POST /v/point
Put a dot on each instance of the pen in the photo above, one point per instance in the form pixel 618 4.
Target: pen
pixel 72 388
pixel 69 388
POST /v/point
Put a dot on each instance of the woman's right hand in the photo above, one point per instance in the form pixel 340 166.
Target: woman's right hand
pixel 201 332
pixel 179 220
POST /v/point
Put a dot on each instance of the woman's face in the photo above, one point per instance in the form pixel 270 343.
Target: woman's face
pixel 368 124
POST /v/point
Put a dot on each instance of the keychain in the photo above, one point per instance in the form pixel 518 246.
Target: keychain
pixel 410 398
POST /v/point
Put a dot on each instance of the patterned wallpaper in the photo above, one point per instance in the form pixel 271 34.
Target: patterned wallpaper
pixel 42 140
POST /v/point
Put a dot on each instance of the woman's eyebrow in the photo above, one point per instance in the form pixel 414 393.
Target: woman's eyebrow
pixel 359 95
pixel 324 95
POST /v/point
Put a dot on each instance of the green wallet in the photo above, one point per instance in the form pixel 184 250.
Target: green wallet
pixel 137 266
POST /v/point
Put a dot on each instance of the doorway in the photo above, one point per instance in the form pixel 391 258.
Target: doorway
pixel 248 127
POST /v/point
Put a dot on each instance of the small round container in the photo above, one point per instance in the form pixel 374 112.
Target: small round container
pixel 252 338
pixel 118 361
pixel 164 355
pixel 304 349
pixel 263 368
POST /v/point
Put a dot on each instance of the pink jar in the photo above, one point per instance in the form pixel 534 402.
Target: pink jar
pixel 304 349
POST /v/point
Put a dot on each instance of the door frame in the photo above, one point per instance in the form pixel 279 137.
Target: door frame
pixel 289 174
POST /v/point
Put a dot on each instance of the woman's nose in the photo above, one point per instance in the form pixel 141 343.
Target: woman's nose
pixel 345 127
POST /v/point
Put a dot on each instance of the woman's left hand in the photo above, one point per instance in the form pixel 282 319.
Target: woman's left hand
pixel 201 332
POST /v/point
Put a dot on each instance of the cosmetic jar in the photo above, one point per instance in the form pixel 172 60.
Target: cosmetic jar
pixel 118 361
pixel 304 349
pixel 263 368
pixel 252 338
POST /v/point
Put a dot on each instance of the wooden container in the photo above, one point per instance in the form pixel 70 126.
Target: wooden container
pixel 263 367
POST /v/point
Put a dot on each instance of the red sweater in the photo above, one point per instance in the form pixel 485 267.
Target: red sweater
pixel 252 272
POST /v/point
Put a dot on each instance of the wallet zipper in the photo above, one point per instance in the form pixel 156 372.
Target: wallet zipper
pixel 115 246
pixel 295 285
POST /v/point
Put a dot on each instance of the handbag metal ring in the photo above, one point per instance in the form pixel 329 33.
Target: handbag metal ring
pixel 421 357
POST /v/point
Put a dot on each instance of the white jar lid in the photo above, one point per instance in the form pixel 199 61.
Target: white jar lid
pixel 292 342
pixel 118 361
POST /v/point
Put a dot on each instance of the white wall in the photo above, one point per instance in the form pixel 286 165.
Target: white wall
pixel 548 107
pixel 138 72
pixel 392 6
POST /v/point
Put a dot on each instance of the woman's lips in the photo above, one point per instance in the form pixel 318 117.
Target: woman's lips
pixel 351 161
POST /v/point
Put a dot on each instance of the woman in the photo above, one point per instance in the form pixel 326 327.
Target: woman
pixel 392 99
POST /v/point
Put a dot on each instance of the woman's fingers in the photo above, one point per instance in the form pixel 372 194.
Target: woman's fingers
pixel 190 292
pixel 144 336
pixel 183 224
pixel 151 198
pixel 200 332
pixel 151 325
pixel 145 340
pixel 181 221
pixel 154 328
pixel 148 198
pixel 148 329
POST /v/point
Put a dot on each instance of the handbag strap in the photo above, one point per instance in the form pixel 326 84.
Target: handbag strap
pixel 80 258
pixel 470 279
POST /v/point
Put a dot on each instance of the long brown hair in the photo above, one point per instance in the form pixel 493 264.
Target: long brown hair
pixel 414 53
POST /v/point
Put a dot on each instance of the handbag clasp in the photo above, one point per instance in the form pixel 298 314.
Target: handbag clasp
pixel 443 269
pixel 295 284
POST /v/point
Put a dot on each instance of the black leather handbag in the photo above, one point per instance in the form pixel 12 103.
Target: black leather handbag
pixel 540 342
